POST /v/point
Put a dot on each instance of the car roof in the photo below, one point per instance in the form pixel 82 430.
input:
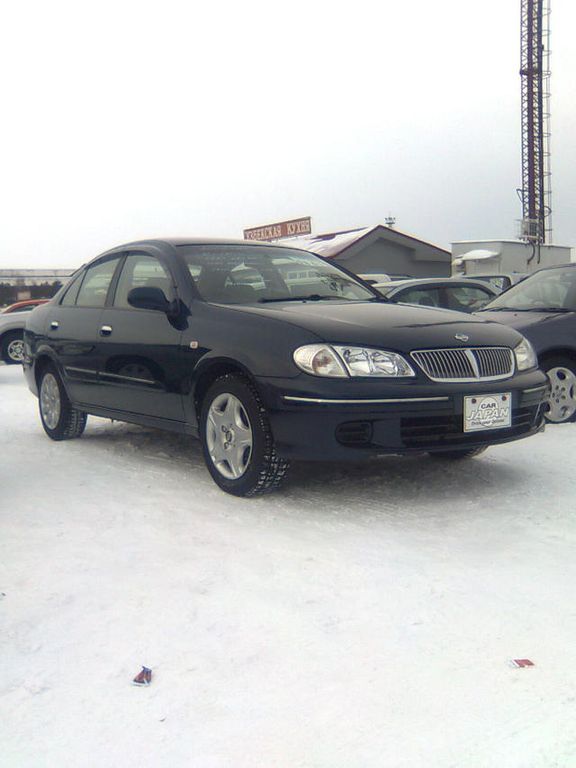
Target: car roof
pixel 572 265
pixel 177 242
pixel 180 241
pixel 421 282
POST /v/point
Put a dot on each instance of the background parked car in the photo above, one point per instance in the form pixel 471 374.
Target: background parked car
pixel 12 322
pixel 447 293
pixel 543 308
pixel 500 281
pixel 373 278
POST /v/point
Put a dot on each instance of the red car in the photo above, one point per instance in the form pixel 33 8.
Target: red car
pixel 24 306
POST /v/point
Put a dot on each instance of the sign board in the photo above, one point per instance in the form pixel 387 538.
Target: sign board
pixel 282 229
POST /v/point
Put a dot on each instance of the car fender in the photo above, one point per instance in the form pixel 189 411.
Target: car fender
pixel 45 354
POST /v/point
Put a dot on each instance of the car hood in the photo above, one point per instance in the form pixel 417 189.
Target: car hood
pixel 384 325
pixel 13 320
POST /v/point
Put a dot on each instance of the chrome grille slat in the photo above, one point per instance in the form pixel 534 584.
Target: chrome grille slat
pixel 466 363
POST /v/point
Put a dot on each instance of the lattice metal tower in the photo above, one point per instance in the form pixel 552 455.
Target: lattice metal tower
pixel 535 77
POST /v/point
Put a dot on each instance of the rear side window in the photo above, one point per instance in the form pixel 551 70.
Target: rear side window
pixel 69 297
pixel 141 270
pixel 425 297
pixel 97 279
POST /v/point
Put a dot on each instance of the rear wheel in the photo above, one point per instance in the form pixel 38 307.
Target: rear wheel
pixel 61 421
pixel 237 440
pixel 13 348
pixel 561 372
pixel 459 453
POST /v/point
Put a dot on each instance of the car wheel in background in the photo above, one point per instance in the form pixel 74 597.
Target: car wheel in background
pixel 12 348
pixel 459 453
pixel 61 421
pixel 237 440
pixel 561 372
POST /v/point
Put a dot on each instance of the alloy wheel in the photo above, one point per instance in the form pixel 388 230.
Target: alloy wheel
pixel 229 436
pixel 562 399
pixel 50 405
pixel 15 350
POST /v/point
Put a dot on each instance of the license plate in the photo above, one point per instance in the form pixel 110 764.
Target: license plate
pixel 487 412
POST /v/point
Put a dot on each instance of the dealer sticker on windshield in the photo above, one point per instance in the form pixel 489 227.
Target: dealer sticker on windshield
pixel 487 412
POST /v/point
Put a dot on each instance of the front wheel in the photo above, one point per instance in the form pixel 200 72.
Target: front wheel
pixel 237 440
pixel 61 421
pixel 13 348
pixel 561 372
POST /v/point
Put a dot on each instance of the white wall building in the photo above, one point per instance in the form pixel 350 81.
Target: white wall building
pixel 475 257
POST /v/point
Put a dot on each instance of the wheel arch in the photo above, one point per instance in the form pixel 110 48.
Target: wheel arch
pixel 42 361
pixel 566 352
pixel 6 331
pixel 9 332
pixel 214 370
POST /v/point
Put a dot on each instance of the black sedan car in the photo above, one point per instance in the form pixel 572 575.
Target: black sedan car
pixel 268 354
pixel 459 294
pixel 543 308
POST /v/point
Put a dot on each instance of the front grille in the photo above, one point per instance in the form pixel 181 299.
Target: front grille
pixel 466 364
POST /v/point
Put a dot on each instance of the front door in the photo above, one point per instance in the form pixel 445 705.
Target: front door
pixel 141 358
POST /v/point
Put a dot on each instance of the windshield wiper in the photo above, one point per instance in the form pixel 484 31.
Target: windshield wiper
pixel 552 309
pixel 311 297
pixel 527 309
pixel 507 309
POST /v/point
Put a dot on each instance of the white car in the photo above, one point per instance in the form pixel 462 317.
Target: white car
pixel 12 322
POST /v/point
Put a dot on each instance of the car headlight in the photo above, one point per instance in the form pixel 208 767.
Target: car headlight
pixel 319 360
pixel 340 361
pixel 525 356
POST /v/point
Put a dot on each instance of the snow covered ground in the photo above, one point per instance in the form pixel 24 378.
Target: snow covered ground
pixel 362 617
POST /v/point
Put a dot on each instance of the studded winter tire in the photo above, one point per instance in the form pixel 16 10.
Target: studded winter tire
pixel 61 421
pixel 237 440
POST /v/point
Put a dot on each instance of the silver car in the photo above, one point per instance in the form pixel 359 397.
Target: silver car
pixel 12 322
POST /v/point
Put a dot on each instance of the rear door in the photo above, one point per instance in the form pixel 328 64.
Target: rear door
pixel 73 327
pixel 141 358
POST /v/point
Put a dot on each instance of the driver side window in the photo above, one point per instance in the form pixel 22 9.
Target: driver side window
pixel 141 270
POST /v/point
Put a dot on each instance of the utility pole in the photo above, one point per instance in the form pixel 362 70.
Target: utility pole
pixel 535 78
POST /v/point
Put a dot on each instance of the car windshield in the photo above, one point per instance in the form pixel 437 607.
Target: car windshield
pixel 545 291
pixel 237 274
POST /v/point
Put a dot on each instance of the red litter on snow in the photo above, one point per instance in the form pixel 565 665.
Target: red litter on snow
pixel 521 663
pixel 144 677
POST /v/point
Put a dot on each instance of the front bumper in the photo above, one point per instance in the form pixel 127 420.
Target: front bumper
pixel 347 421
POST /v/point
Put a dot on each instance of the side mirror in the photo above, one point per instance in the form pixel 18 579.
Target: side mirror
pixel 149 298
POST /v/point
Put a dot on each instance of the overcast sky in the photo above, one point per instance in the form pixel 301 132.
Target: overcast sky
pixel 123 120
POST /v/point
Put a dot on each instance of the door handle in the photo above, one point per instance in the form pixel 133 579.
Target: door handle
pixel 106 330
pixel 54 325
